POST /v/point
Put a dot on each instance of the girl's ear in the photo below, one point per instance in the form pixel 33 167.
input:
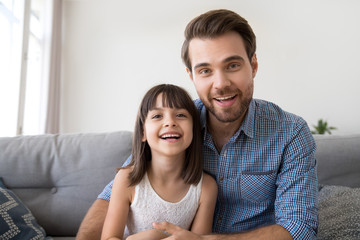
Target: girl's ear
pixel 143 139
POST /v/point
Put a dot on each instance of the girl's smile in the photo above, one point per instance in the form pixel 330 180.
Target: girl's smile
pixel 170 136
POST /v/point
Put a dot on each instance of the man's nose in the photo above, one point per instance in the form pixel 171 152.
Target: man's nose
pixel 221 80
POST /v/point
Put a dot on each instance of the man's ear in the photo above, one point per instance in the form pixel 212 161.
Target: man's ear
pixel 190 74
pixel 254 65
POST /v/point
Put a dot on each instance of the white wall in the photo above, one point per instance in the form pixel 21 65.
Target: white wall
pixel 115 50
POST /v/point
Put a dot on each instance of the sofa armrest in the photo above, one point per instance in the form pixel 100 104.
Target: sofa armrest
pixel 338 159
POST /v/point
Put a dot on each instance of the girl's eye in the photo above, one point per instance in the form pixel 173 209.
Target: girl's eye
pixel 181 115
pixel 155 116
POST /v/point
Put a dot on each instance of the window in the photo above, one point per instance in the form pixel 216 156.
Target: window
pixel 22 48
pixel 11 19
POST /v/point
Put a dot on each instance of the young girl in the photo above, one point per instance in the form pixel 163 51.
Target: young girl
pixel 164 180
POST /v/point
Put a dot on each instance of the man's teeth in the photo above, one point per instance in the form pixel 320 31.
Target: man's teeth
pixel 170 136
pixel 224 98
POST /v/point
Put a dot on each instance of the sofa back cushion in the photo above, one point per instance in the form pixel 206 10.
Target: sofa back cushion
pixel 338 159
pixel 59 176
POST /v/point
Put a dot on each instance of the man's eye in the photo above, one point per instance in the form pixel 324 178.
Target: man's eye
pixel 204 71
pixel 233 66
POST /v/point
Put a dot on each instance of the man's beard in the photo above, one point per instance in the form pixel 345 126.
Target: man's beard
pixel 231 114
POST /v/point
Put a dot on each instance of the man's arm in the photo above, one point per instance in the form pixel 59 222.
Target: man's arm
pixel 272 232
pixel 92 224
pixel 297 190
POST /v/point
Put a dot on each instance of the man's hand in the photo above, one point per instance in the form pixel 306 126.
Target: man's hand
pixel 152 234
pixel 177 233
pixel 270 232
pixel 91 226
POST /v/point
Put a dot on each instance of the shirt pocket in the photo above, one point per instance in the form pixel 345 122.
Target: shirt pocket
pixel 258 187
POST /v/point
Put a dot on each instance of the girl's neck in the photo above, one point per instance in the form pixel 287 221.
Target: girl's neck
pixel 165 178
pixel 166 169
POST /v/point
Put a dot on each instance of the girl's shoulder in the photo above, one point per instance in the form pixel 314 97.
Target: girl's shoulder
pixel 122 176
pixel 122 183
pixel 209 190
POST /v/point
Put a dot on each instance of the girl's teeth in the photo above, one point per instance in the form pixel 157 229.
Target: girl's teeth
pixel 170 136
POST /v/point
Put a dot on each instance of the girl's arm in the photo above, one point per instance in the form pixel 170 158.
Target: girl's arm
pixel 120 200
pixel 203 220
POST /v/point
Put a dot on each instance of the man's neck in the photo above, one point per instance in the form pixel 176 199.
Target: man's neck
pixel 221 132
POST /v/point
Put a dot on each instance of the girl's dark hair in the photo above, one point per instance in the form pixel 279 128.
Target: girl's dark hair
pixel 173 97
pixel 214 24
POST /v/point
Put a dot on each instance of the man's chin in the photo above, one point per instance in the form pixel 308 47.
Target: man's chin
pixel 226 118
pixel 229 115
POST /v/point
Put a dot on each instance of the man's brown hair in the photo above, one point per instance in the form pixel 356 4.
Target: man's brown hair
pixel 216 23
pixel 172 97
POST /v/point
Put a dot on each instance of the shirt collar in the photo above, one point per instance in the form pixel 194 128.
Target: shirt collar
pixel 248 125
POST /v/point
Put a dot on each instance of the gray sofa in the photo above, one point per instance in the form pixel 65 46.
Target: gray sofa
pixel 57 178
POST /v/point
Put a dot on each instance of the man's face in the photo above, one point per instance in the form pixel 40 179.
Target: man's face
pixel 223 75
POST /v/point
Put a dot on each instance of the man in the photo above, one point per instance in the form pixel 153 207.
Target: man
pixel 261 156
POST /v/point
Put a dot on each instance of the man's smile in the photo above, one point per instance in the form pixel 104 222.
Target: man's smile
pixel 227 98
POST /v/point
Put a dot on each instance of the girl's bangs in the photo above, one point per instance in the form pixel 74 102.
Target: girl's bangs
pixel 171 98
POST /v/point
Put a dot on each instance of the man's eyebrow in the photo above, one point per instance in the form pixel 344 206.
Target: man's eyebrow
pixel 228 59
pixel 201 65
pixel 232 58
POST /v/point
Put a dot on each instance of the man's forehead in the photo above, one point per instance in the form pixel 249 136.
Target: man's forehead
pixel 204 50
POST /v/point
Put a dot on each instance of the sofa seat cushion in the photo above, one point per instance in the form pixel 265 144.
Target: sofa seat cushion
pixel 339 213
pixel 16 220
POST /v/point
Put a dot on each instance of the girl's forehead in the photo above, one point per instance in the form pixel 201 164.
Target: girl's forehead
pixel 165 101
pixel 159 101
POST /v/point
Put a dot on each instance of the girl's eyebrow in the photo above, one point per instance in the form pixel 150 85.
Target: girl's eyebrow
pixel 155 109
pixel 161 108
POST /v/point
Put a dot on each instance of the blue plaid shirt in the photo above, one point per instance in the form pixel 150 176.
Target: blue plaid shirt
pixel 266 173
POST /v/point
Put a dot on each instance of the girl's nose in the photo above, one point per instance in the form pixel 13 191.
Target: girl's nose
pixel 169 122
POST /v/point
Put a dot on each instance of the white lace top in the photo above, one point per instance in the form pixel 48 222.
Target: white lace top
pixel 149 207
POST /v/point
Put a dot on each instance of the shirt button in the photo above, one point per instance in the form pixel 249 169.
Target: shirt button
pixel 221 179
pixel 219 220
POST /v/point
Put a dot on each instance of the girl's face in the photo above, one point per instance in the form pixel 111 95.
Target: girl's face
pixel 168 131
